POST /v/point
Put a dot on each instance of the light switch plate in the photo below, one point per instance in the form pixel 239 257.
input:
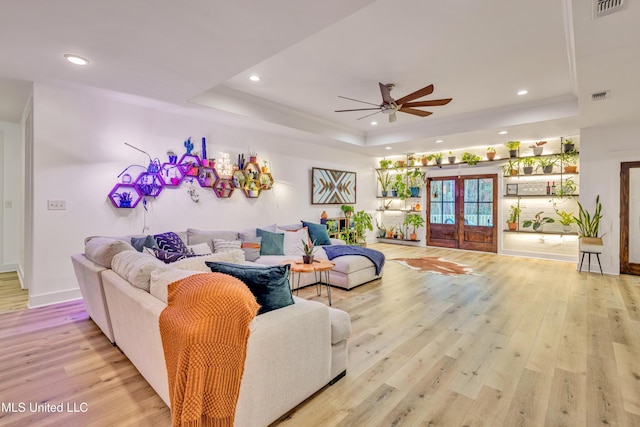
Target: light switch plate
pixel 56 205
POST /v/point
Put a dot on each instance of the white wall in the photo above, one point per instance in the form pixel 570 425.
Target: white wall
pixel 79 150
pixel 602 149
pixel 10 192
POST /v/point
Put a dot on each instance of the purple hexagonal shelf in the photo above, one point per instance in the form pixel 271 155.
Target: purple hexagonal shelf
pixel 171 174
pixel 125 195
pixel 149 184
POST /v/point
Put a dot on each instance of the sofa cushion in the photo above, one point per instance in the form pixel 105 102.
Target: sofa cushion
pixel 170 242
pixel 270 285
pixel 221 245
pixel 249 233
pixel 195 236
pixel 292 242
pixel 351 263
pixel 251 248
pixel 161 278
pixel 101 250
pixel 167 256
pixel 143 242
pixel 318 233
pixel 272 243
pixel 135 267
pixel 200 249
pixel 198 263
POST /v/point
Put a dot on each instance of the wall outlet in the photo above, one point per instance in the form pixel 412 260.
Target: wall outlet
pixel 56 205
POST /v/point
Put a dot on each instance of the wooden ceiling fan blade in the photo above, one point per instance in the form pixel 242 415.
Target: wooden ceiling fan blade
pixel 369 115
pixel 415 112
pixel 356 109
pixel 386 94
pixel 357 100
pixel 427 90
pixel 431 103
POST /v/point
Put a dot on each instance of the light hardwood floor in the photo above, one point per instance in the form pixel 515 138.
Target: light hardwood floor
pixel 523 343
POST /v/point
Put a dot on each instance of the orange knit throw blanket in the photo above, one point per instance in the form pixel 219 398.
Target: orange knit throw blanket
pixel 205 329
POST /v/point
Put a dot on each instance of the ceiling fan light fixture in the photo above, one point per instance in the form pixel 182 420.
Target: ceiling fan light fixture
pixel 439 141
pixel 76 59
pixel 254 78
pixel 503 132
pixel 374 123
pixel 522 92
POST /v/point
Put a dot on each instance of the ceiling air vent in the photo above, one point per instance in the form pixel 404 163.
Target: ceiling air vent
pixel 606 7
pixel 600 96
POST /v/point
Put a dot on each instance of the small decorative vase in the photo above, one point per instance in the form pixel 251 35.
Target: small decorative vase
pixel 389 234
pixel 512 226
pixel 528 170
pixel 491 155
pixel 385 193
pixel 307 259
pixel 513 154
pixel 439 161
pixel 547 169
pixel 452 159
pixel 125 203
pixel 537 151
pixel 173 159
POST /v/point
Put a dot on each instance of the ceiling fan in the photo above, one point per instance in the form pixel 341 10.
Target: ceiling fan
pixel 389 105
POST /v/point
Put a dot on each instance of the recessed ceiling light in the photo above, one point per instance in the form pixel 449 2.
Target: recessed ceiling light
pixel 439 141
pixel 374 123
pixel 76 59
pixel 503 132
pixel 523 92
pixel 387 148
pixel 254 78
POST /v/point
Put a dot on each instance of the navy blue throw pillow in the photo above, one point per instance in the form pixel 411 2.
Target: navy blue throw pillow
pixel 270 285
pixel 317 233
pixel 171 242
pixel 169 257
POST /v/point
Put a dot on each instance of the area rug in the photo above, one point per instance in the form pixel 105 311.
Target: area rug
pixel 435 265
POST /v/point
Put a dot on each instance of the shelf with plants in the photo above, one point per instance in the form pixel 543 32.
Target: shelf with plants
pixel 557 233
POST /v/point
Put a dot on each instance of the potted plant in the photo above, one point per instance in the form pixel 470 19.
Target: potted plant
pixel 399 187
pixel 567 187
pixel 589 224
pixel 513 146
pixel 308 249
pixel 411 160
pixel 382 231
pixel 361 223
pixel 385 181
pixel 491 153
pixel 566 219
pixel 451 158
pixel 511 167
pixel 424 159
pixel 390 232
pixel 567 144
pixel 438 158
pixel 538 148
pixel 125 199
pixel 569 160
pixel 415 221
pixel 537 222
pixel 398 164
pixel 347 210
pixel 385 164
pixel 470 159
pixel 265 167
pixel 547 163
pixel 527 165
pixel 514 213
pixel 416 181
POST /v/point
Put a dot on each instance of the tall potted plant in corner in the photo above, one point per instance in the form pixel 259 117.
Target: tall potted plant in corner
pixel 362 221
pixel 416 221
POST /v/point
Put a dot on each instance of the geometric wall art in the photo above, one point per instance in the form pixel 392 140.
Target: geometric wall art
pixel 332 187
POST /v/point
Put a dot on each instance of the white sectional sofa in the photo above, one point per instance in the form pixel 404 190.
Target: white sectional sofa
pixel 292 352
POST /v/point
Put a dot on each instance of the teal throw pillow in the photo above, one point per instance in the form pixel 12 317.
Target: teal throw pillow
pixel 144 242
pixel 317 233
pixel 272 243
pixel 270 285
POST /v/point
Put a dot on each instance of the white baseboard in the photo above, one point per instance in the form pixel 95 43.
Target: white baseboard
pixel 7 268
pixel 53 298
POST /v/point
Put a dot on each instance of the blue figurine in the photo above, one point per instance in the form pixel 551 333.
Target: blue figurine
pixel 188 145
pixel 204 148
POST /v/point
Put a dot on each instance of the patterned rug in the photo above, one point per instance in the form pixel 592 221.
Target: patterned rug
pixel 435 265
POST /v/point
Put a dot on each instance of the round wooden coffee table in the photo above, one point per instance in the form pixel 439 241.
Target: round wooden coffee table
pixel 319 267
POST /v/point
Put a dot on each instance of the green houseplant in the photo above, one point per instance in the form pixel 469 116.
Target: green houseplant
pixel 385 163
pixel 382 231
pixel 452 157
pixel 491 153
pixel 547 163
pixel 362 221
pixel 308 248
pixel 470 159
pixel 417 179
pixel 511 167
pixel 347 210
pixel 537 222
pixel 527 165
pixel 588 224
pixel 569 160
pixel 438 158
pixel 385 181
pixel 416 221
pixel 514 214
pixel 400 188
pixel 513 146
pixel 566 219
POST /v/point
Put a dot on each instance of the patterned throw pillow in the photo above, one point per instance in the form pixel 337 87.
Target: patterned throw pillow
pixel 221 245
pixel 170 242
pixel 292 244
pixel 168 257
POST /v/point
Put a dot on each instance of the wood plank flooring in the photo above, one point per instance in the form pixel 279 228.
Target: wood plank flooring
pixel 523 343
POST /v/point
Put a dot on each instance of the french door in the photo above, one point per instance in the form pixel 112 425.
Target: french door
pixel 462 212
pixel 629 214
